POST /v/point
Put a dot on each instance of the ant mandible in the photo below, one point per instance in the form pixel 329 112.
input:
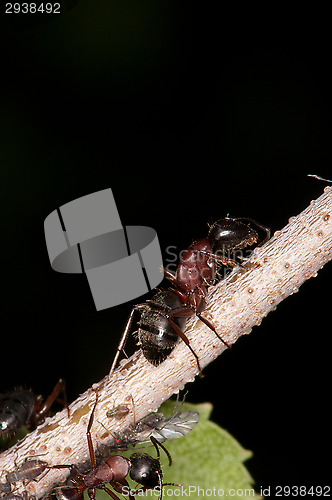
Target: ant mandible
pixel 163 317
pixel 141 467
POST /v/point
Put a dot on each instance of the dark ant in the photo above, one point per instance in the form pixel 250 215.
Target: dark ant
pixel 22 407
pixel 141 467
pixel 164 316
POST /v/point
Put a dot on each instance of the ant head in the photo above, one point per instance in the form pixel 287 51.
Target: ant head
pixel 145 470
pixel 230 234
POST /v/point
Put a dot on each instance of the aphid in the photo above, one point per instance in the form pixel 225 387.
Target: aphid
pixel 5 488
pixel 118 412
pixel 141 467
pixel 12 496
pixel 121 410
pixel 22 407
pixel 163 318
pixel 29 470
pixel 156 426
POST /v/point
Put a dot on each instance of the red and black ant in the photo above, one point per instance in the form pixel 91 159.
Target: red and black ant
pixel 22 407
pixel 163 317
pixel 141 467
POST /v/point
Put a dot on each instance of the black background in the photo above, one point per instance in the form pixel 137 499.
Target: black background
pixel 187 112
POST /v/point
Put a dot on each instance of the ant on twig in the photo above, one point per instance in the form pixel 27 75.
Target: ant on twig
pixel 141 467
pixel 163 317
pixel 22 407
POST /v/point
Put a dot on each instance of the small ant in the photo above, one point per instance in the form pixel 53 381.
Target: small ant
pixel 22 407
pixel 163 317
pixel 141 467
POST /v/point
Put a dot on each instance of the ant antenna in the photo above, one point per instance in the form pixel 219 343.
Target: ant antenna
pixel 157 443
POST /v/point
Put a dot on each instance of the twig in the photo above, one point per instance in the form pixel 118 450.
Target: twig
pixel 235 305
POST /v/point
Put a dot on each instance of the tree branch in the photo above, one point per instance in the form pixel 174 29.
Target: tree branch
pixel 235 305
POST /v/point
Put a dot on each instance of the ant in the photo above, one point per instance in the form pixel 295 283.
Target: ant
pixel 141 467
pixel 22 407
pixel 163 317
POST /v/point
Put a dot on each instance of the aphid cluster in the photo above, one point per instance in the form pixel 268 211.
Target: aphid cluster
pixel 163 318
pixel 161 327
pixel 140 467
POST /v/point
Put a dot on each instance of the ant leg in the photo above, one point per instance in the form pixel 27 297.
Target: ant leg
pixel 169 275
pixel 92 493
pixel 43 411
pixel 263 228
pixel 161 485
pixel 124 337
pixel 221 260
pixel 112 494
pixel 210 325
pixel 133 405
pixel 118 486
pixel 71 467
pixel 157 443
pixel 199 309
pixel 185 340
pixel 186 311
pixel 225 261
pixel 88 435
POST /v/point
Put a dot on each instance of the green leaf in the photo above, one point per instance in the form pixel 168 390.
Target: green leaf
pixel 208 462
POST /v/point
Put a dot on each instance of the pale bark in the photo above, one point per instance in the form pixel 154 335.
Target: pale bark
pixel 235 305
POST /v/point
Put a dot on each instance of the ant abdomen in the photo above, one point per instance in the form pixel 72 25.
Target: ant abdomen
pixel 23 407
pixel 16 408
pixel 156 335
